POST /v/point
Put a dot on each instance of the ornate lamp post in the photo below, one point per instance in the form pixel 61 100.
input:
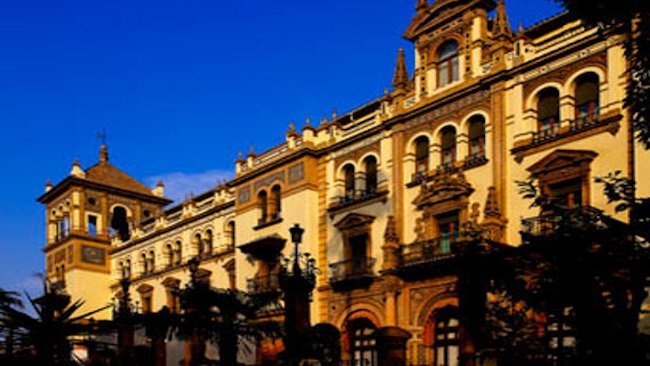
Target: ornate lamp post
pixel 297 279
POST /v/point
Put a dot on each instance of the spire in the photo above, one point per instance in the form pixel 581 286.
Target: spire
pixel 492 206
pixel 103 153
pixel 501 23
pixel 401 78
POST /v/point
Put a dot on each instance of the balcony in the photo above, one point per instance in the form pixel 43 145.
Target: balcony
pixel 352 273
pixel 562 221
pixel 471 161
pixel 474 160
pixel 357 198
pixel 264 284
pixel 61 236
pixel 267 221
pixel 428 251
pixel 557 133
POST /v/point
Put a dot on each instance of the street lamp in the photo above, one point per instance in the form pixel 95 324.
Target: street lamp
pixel 296 237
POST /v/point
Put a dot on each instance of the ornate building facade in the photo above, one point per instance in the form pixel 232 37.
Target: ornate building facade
pixel 387 193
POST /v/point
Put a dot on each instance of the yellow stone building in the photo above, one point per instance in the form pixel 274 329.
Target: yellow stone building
pixel 384 192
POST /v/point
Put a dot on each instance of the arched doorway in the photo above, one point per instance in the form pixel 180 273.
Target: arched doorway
pixel 362 343
pixel 441 335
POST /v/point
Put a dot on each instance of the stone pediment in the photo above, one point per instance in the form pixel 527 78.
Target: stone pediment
pixel 444 187
pixel 354 220
pixel 561 159
pixel 441 12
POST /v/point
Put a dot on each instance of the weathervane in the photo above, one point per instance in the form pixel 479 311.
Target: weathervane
pixel 102 136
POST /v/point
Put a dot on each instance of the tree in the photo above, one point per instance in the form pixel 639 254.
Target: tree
pixel 572 293
pixel 47 338
pixel 632 19
pixel 8 299
pixel 226 317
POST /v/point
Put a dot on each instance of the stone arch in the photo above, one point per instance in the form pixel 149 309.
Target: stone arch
pixel 531 101
pixel 569 84
pixel 432 304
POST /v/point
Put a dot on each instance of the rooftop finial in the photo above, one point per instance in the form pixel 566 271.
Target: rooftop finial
pixel 401 77
pixel 501 24
pixel 103 151
pixel 421 5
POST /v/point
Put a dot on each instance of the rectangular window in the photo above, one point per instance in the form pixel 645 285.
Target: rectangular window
pixel 92 225
pixel 567 193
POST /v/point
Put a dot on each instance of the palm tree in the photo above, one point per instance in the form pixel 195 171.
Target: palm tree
pixel 8 299
pixel 49 334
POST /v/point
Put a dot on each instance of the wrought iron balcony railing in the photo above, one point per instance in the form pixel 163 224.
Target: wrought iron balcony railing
pixel 551 223
pixel 358 196
pixel 264 284
pixel 352 269
pixel 430 250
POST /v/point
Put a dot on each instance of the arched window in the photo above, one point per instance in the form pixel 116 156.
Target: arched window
pixel 448 69
pixel 169 252
pixel 178 253
pixel 120 223
pixel 587 100
pixel 477 137
pixel 152 261
pixel 208 243
pixel 198 245
pixel 350 184
pixel 362 343
pixel 448 146
pixel 144 263
pixel 127 269
pixel 276 194
pixel 548 113
pixel 422 155
pixel 263 201
pixel 445 344
pixel 371 175
pixel 230 234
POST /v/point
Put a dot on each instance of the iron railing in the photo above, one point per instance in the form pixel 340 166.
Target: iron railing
pixel 430 250
pixel 551 223
pixel 353 268
pixel 354 197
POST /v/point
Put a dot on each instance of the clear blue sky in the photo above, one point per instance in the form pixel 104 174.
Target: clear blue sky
pixel 180 87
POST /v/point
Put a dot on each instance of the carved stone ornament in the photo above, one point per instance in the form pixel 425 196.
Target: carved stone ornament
pixel 391 245
pixel 443 188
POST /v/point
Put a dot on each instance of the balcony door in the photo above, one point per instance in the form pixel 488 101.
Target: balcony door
pixel 448 226
pixel 358 254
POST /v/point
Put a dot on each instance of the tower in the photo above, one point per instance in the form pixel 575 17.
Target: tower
pixel 88 213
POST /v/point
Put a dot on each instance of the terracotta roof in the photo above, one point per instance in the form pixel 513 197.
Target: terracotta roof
pixel 107 174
